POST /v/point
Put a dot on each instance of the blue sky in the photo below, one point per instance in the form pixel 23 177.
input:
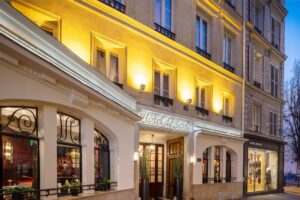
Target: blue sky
pixel 292 35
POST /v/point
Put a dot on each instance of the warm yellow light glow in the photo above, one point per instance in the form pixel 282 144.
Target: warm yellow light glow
pixel 217 106
pixel 140 79
pixel 186 95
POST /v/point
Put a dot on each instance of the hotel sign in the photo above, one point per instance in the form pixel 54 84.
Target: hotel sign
pixel 164 121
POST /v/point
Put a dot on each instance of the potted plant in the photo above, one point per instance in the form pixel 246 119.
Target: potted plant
pixel 64 189
pixel 75 188
pixel 104 184
pixel 19 193
pixel 144 176
pixel 178 174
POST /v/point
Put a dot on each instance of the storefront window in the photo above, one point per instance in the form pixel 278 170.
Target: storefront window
pixel 68 149
pixel 217 177
pixel 262 170
pixel 102 157
pixel 20 146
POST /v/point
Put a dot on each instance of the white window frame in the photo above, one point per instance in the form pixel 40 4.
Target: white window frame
pixel 256 117
pixel 226 111
pixel 257 70
pixel 201 20
pixel 273 124
pixel 162 20
pixel 226 57
pixel 199 98
pixel 107 68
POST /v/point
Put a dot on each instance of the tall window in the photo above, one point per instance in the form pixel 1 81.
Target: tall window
pixel 259 16
pixel 256 118
pixel 112 66
pixel 161 84
pixel 68 149
pixel 275 32
pixel 217 168
pixel 273 123
pixel 258 63
pixel 226 106
pixel 201 34
pixel 205 167
pixel 102 157
pixel 274 81
pixel 163 13
pixel 19 147
pixel 227 50
pixel 201 97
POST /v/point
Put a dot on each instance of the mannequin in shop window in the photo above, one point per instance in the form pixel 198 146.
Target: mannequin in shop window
pixel 268 179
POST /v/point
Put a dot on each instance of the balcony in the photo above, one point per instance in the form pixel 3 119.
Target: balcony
pixel 257 84
pixel 115 4
pixel 165 100
pixel 203 53
pixel 203 111
pixel 256 128
pixel 164 31
pixel 275 45
pixel 120 85
pixel 230 4
pixel 228 67
pixel 227 119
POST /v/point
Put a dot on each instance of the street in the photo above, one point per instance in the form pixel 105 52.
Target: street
pixel 280 196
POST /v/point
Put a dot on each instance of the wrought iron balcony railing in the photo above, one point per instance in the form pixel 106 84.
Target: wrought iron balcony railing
pixel 165 100
pixel 228 67
pixel 227 119
pixel 203 111
pixel 164 31
pixel 203 53
pixel 258 30
pixel 120 85
pixel 257 84
pixel 115 4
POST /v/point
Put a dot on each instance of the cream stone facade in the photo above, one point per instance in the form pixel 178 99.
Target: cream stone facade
pixel 163 76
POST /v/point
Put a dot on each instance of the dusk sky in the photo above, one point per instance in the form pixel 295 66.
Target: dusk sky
pixel 292 35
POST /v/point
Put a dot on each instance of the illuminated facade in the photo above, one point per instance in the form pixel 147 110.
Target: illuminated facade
pixel 264 67
pixel 163 76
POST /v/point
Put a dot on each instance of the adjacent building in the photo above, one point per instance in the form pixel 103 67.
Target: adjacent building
pixel 89 85
pixel 263 114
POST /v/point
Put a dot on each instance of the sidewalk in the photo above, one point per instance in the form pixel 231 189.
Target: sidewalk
pixel 292 189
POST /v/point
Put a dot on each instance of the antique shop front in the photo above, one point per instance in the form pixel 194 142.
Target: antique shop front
pixel 263 164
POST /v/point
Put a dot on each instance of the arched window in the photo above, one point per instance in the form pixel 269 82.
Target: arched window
pixel 217 166
pixel 19 145
pixel 68 149
pixel 205 167
pixel 228 167
pixel 102 157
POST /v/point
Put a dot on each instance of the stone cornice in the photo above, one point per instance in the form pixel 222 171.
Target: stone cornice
pixel 20 30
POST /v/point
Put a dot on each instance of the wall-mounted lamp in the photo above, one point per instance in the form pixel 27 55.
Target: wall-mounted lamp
pixel 186 105
pixel 152 146
pixel 142 87
pixel 136 156
pixel 8 151
pixel 193 159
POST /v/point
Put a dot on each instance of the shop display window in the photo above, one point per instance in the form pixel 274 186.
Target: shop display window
pixel 68 150
pixel 20 147
pixel 262 170
pixel 217 177
pixel 205 167
pixel 102 157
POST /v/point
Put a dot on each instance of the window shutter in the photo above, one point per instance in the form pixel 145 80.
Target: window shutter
pixel 157 83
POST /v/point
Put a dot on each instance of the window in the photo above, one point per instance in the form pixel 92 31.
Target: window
pixel 226 102
pixel 205 167
pixel 201 34
pixel 19 147
pixel 102 157
pixel 201 97
pixel 163 13
pixel 217 169
pixel 259 17
pixel 256 118
pixel 68 149
pixel 274 81
pixel 273 123
pixel 227 50
pixel 275 32
pixel 108 64
pixel 228 167
pixel 258 63
pixel 161 84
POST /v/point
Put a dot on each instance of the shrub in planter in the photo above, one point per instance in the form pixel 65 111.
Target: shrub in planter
pixel 75 188
pixel 19 193
pixel 104 184
pixel 178 174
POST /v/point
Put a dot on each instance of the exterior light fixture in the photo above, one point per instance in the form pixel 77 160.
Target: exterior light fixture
pixel 193 159
pixel 152 146
pixel 136 156
pixel 186 105
pixel 8 151
pixel 142 87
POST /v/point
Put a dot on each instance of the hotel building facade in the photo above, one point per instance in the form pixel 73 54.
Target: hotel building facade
pixel 88 85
